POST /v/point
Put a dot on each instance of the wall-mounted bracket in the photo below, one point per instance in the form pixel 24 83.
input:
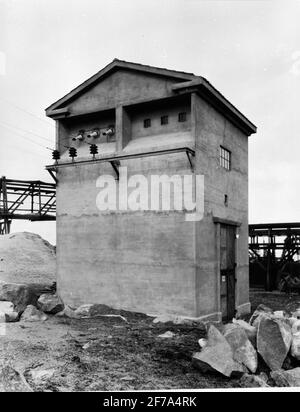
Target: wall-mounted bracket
pixel 190 154
pixel 52 174
pixel 115 165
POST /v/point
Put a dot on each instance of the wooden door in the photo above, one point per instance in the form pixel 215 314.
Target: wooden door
pixel 227 275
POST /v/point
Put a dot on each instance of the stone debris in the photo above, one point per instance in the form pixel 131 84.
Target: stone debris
pixel 217 356
pixel 32 314
pixel 41 376
pixel 243 350
pixel 285 379
pixel 202 343
pixel 20 295
pixel 274 339
pixel 179 320
pixel 167 335
pixel 51 304
pixel 295 350
pixel 254 381
pixel 233 349
pixel 12 380
pixel 8 313
pixel 251 331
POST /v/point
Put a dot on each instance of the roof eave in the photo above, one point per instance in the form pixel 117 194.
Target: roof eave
pixel 111 66
pixel 217 100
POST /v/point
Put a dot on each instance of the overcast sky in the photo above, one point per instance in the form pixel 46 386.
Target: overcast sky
pixel 249 50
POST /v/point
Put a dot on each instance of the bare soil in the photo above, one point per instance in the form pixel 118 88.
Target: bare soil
pixel 119 356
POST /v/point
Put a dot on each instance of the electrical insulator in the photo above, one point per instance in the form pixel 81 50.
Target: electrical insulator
pixel 72 152
pixel 93 149
pixel 55 155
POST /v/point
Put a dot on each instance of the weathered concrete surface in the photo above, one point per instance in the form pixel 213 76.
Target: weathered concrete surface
pixel 274 338
pixel 152 262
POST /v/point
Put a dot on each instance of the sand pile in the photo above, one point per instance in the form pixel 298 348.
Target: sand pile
pixel 26 258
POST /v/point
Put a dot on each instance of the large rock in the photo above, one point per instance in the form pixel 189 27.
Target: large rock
pixel 20 295
pixel 217 356
pixel 32 314
pixel 12 380
pixel 7 312
pixel 242 348
pixel 261 309
pixel 254 381
pixel 295 350
pixel 251 331
pixel 274 339
pixel 286 379
pixel 50 304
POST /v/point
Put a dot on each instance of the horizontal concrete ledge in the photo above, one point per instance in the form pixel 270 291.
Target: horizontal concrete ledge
pixel 227 222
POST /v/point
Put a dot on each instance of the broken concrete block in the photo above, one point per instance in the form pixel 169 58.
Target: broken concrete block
pixel 274 339
pixel 32 314
pixel 8 313
pixel 242 348
pixel 217 356
pixel 51 304
pixel 68 312
pixel 254 381
pixel 261 310
pixel 287 379
pixel 251 331
pixel 20 295
pixel 12 380
pixel 295 349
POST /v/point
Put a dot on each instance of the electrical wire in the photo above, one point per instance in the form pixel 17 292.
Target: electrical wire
pixel 25 137
pixel 24 130
pixel 26 111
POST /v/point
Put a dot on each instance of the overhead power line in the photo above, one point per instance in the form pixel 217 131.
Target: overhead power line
pixel 24 137
pixel 26 131
pixel 29 113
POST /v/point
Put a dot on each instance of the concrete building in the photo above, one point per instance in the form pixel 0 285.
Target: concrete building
pixel 152 121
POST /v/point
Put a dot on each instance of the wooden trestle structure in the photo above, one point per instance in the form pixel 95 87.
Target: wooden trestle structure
pixel 273 247
pixel 27 200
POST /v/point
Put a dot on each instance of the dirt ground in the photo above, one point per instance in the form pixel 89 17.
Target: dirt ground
pixel 120 355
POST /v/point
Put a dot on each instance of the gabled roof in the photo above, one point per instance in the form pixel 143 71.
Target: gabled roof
pixel 116 64
pixel 186 83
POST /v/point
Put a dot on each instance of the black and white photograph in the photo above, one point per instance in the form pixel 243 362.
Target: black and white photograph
pixel 149 199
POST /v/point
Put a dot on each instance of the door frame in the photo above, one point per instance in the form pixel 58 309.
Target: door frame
pixel 218 223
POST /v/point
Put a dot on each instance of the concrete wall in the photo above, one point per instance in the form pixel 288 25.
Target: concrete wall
pixel 121 88
pixel 211 130
pixel 153 262
pixel 142 261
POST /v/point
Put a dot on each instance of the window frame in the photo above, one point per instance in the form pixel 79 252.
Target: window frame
pixel 164 120
pixel 182 117
pixel 147 123
pixel 225 158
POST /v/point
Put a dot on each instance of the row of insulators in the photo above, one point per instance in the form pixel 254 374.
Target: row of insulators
pixel 73 152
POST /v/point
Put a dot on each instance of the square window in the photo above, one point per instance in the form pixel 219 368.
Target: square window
pixel 182 117
pixel 225 158
pixel 164 120
pixel 147 123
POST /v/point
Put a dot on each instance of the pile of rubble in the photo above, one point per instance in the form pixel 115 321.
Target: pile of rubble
pixel 270 342
pixel 30 303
